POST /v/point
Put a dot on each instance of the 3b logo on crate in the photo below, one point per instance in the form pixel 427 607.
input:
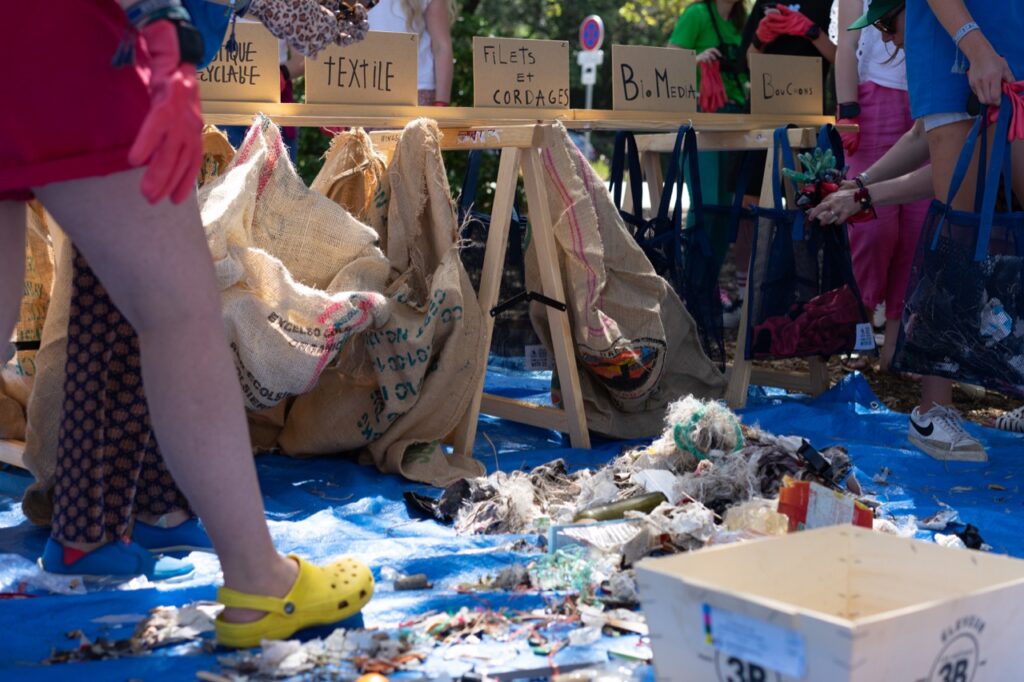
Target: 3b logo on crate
pixel 960 656
pixel 733 669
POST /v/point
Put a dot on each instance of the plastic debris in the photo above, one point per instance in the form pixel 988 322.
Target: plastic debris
pixel 949 541
pixel 417 581
pixel 20 575
pixel 604 536
pixel 567 568
pixel 940 519
pixel 697 428
pixel 584 636
pixel 617 510
pixel 758 516
pixel 622 588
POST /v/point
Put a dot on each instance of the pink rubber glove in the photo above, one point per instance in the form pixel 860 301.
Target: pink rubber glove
pixel 712 90
pixel 851 141
pixel 785 22
pixel 170 140
pixel 1015 91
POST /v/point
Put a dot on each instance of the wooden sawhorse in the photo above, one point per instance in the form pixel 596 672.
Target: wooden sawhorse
pixel 742 371
pixel 520 152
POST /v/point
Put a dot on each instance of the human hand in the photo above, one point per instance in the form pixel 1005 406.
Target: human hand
pixel 169 142
pixel 988 69
pixel 784 21
pixel 836 208
pixel 1015 94
pixel 851 139
pixel 709 55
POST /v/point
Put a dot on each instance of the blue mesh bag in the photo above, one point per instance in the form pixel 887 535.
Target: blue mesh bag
pixel 964 312
pixel 680 253
pixel 513 333
pixel 804 300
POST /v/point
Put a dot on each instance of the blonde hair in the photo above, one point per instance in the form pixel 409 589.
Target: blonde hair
pixel 414 22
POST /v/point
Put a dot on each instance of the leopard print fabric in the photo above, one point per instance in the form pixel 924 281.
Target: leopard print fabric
pixel 310 25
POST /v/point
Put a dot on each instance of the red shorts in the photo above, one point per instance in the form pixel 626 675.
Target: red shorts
pixel 68 112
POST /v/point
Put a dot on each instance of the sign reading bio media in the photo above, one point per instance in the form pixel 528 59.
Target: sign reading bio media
pixel 520 73
pixel 249 73
pixel 654 79
pixel 381 69
pixel 785 85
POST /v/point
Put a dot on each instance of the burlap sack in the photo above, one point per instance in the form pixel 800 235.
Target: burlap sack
pixel 298 274
pixel 637 348
pixel 217 154
pixel 352 172
pixel 398 390
pixel 17 377
pixel 46 401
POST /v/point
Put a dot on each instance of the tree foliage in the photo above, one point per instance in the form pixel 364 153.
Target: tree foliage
pixel 632 23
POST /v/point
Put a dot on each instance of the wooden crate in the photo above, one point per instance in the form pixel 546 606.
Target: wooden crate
pixel 834 605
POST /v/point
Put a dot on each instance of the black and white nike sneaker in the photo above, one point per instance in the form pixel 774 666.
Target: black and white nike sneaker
pixel 940 434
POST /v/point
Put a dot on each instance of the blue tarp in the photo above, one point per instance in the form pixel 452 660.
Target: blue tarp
pixel 325 507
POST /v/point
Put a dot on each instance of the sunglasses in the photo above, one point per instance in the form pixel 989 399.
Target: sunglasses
pixel 887 22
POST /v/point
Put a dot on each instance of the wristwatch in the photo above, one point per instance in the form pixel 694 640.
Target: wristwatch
pixel 848 110
pixel 813 32
pixel 190 42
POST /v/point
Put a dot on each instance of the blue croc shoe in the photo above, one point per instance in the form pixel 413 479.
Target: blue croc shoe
pixel 185 537
pixel 113 562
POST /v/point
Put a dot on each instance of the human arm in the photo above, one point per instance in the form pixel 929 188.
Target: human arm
pixel 780 20
pixel 847 78
pixel 439 27
pixel 909 152
pixel 169 142
pixel 839 206
pixel 988 69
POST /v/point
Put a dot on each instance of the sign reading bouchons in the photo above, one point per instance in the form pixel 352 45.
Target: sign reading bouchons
pixel 781 84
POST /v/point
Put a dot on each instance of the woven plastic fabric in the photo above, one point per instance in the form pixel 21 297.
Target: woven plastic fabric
pixel 964 316
pixel 804 299
pixel 680 253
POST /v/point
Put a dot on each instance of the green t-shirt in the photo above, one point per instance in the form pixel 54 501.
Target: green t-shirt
pixel 694 31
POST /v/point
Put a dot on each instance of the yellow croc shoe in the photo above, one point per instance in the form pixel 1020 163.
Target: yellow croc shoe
pixel 321 595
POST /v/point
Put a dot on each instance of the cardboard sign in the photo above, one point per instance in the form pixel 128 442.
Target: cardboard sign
pixel 381 69
pixel 785 85
pixel 520 73
pixel 250 74
pixel 654 79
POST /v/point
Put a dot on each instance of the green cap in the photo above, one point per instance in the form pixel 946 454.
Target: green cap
pixel 877 10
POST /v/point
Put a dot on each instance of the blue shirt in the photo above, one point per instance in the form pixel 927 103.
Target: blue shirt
pixel 934 84
pixel 211 19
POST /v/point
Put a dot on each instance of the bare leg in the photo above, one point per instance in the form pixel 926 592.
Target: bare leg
pixel 892 332
pixel 12 266
pixel 155 264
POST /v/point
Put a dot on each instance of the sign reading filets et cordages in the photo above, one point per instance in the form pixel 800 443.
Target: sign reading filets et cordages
pixel 381 69
pixel 654 79
pixel 249 73
pixel 785 85
pixel 520 73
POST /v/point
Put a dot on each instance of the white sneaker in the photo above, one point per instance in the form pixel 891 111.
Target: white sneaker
pixel 939 433
pixel 1012 421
